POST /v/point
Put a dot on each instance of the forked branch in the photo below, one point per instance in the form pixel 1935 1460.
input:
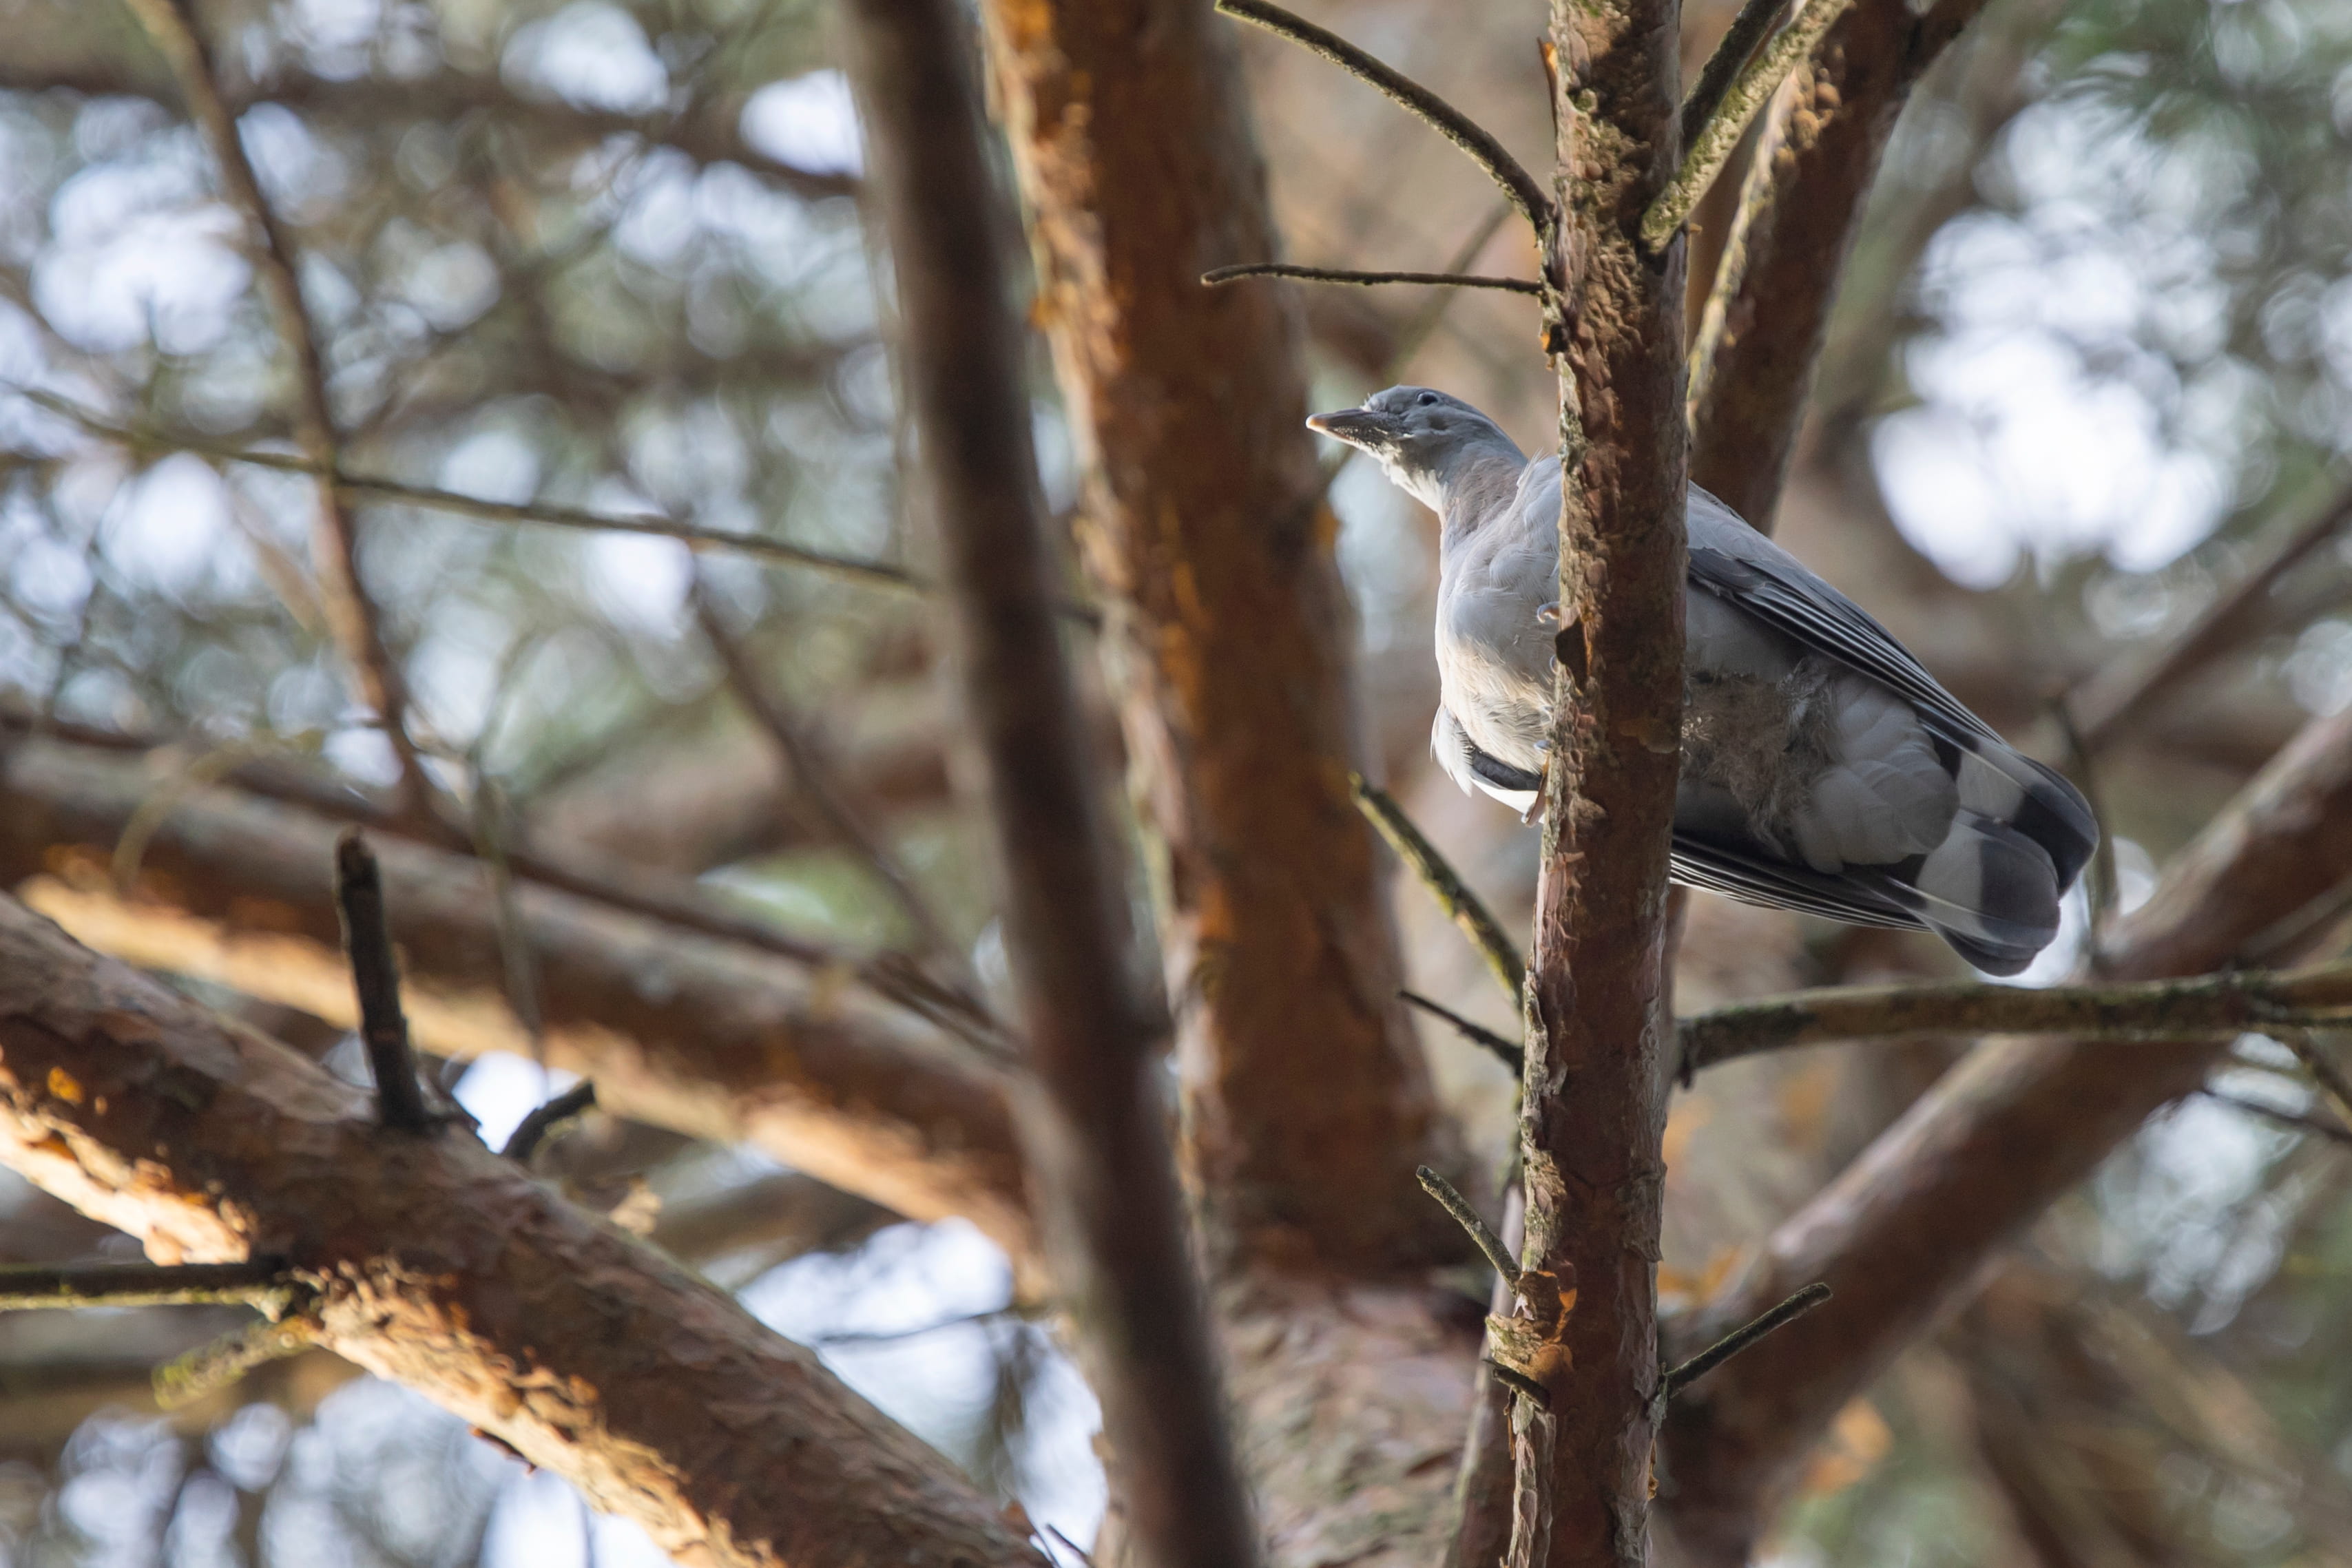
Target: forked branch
pixel 1448 121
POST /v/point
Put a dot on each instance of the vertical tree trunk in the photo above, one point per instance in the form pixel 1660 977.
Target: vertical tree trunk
pixel 1307 1103
pixel 1598 1067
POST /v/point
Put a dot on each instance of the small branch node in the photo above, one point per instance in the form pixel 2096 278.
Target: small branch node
pixel 1519 1382
pixel 1441 116
pixel 1219 274
pixel 532 1130
pixel 1681 1378
pixel 1454 1204
pixel 375 975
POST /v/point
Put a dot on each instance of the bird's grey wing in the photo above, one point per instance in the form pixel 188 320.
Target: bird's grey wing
pixel 1732 560
pixel 1778 884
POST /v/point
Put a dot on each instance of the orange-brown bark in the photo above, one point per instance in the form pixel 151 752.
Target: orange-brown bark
pixel 446 1268
pixel 708 1037
pixel 1907 1226
pixel 1306 1104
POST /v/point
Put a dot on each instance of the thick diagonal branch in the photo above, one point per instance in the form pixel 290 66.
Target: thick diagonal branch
pixel 1092 1121
pixel 1910 1223
pixel 1752 366
pixel 674 1025
pixel 173 27
pixel 439 1265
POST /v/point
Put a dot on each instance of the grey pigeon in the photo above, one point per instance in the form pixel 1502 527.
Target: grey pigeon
pixel 1823 769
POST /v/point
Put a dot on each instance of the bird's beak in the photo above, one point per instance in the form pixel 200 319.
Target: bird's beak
pixel 1356 426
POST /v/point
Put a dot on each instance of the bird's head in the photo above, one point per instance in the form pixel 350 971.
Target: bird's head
pixel 1421 436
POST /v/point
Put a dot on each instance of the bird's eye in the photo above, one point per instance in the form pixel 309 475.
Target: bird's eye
pixel 1425 400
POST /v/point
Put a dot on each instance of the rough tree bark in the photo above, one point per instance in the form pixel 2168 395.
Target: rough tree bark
pixel 1910 1225
pixel 1092 1118
pixel 713 1038
pixel 1760 338
pixel 1307 1103
pixel 1600 1052
pixel 444 1267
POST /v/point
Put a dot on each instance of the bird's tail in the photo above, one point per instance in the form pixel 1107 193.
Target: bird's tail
pixel 2020 837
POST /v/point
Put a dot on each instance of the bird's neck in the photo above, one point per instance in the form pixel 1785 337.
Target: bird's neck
pixel 1474 485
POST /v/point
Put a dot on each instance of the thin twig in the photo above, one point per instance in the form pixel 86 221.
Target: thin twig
pixel 814 779
pixel 1218 274
pixel 878 574
pixel 1706 154
pixel 1747 30
pixel 1508 1054
pixel 2143 1011
pixel 2295 1120
pixel 1448 121
pixel 532 1130
pixel 172 25
pixel 1453 895
pixel 214 1366
pixel 1450 1198
pixel 256 1282
pixel 1681 1378
pixel 375 975
pixel 2321 1066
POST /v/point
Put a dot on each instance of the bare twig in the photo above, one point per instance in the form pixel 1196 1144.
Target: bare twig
pixel 877 574
pixel 1711 149
pixel 215 1366
pixel 2111 705
pixel 2140 1010
pixel 1215 275
pixel 814 781
pixel 375 975
pixel 1450 1198
pixel 1508 1054
pixel 545 1117
pixel 1714 79
pixel 1453 895
pixel 257 1282
pixel 172 25
pixel 1681 1378
pixel 1094 1126
pixel 1448 121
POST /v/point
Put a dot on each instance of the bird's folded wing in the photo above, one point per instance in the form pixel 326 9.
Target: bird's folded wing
pixel 1731 558
pixel 1752 879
